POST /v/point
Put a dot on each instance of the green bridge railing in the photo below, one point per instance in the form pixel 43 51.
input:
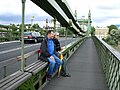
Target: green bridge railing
pixel 110 60
pixel 33 77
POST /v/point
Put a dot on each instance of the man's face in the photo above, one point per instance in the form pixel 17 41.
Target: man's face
pixel 56 36
pixel 51 35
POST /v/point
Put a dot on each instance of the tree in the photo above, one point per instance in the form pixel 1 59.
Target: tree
pixel 112 27
pixel 69 32
pixel 115 35
pixel 20 28
pixel 13 27
pixel 36 26
pixel 92 31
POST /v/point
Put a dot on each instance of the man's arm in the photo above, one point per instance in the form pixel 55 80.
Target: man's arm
pixel 44 49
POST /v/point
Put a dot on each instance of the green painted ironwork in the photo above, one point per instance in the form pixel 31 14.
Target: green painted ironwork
pixel 28 85
pixel 22 34
pixel 110 60
pixel 35 82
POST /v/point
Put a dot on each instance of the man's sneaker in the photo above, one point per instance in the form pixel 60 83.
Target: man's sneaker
pixel 66 75
pixel 49 77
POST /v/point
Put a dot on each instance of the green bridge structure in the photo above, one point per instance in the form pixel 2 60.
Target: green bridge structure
pixel 93 64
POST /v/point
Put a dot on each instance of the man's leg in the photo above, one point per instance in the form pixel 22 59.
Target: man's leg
pixel 51 66
pixel 65 68
pixel 58 62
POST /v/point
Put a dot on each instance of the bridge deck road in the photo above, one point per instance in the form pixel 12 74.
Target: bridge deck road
pixel 85 69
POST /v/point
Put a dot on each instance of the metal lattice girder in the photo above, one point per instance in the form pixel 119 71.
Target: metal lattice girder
pixel 51 7
pixel 56 6
pixel 66 8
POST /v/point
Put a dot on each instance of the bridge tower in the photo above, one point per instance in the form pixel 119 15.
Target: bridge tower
pixel 75 14
pixel 86 23
pixel 89 23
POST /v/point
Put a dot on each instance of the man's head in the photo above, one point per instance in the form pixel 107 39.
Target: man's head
pixel 56 35
pixel 50 34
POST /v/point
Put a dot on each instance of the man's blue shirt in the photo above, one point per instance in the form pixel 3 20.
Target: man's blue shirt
pixel 50 46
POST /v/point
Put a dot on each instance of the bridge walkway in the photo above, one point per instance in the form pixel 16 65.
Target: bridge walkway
pixel 85 69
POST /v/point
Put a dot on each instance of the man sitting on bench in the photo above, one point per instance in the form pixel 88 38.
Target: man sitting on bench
pixel 49 54
pixel 58 48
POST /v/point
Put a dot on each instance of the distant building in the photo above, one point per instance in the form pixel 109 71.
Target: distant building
pixel 101 32
pixel 3 27
pixel 49 25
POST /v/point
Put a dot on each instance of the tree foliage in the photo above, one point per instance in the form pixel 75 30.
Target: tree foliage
pixel 92 31
pixel 113 37
pixel 36 26
pixel 112 27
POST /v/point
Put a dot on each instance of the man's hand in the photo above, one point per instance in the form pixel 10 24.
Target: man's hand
pixel 51 57
pixel 62 48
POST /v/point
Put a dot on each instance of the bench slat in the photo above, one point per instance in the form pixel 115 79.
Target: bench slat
pixel 16 80
pixel 9 78
pixel 19 82
pixel 36 67
pixel 32 66
pixel 37 70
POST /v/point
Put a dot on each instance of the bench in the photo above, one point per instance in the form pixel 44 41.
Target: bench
pixel 36 67
pixel 38 71
pixel 14 80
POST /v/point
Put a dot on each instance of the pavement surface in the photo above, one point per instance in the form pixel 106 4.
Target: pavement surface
pixel 85 69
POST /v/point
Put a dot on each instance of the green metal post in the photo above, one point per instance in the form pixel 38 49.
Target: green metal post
pixel 66 37
pixel 22 34
pixel 55 24
pixel 89 23
pixel 32 18
pixel 5 72
pixel 66 33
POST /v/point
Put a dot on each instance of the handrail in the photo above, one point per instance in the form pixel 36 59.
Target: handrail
pixel 7 62
pixel 27 55
pixel 111 49
pixel 110 60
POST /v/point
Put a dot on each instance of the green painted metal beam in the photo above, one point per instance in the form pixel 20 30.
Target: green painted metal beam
pixel 65 7
pixel 51 10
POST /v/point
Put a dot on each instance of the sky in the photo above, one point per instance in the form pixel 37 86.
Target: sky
pixel 103 12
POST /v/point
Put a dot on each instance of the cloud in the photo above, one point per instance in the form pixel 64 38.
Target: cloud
pixel 103 12
pixel 11 18
pixel 15 7
pixel 108 7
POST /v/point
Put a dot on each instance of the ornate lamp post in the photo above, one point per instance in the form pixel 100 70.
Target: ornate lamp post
pixel 22 36
pixel 32 18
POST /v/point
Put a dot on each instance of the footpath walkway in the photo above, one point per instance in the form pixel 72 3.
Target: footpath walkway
pixel 85 69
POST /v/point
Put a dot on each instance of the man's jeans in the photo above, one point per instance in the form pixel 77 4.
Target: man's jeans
pixel 53 64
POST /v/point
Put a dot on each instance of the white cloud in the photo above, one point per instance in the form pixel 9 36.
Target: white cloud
pixel 104 12
pixel 15 7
